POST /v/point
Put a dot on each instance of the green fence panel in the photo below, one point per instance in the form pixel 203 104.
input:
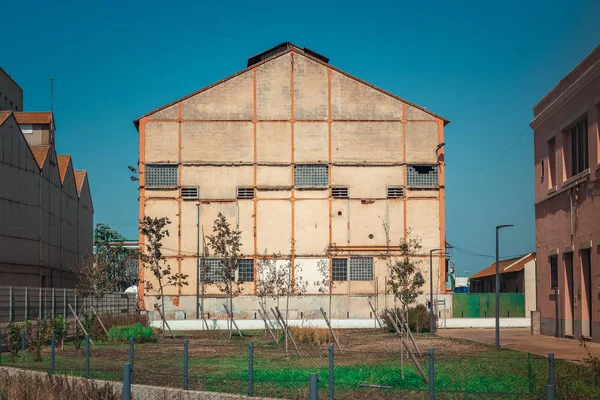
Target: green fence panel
pixel 482 305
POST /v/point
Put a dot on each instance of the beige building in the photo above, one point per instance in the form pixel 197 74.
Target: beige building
pixel 11 94
pixel 299 156
pixel 45 205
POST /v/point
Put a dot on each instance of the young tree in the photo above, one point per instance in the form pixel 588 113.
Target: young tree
pixel 226 244
pixel 266 276
pixel 325 285
pixel 154 230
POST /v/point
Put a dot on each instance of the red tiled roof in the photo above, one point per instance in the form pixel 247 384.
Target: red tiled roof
pixel 79 178
pixel 63 163
pixel 4 116
pixel 33 117
pixel 505 266
pixel 40 153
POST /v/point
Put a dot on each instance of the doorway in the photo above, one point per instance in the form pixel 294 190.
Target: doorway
pixel 586 269
pixel 570 296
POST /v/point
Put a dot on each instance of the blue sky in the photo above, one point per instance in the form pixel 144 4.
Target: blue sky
pixel 483 66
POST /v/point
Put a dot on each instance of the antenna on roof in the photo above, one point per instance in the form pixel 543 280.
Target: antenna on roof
pixel 52 95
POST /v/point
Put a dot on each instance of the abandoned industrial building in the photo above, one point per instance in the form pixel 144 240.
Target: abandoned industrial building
pixel 300 157
pixel 46 208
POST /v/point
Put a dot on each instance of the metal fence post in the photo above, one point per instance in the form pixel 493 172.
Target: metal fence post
pixel 431 375
pixel 251 369
pixel 550 390
pixel 40 297
pixel 185 364
pixel 65 304
pixel 23 348
pixel 26 304
pixel 0 346
pixel 131 349
pixel 52 344
pixel 126 382
pixel 53 303
pixel 313 386
pixel 87 356
pixel 10 304
pixel 331 377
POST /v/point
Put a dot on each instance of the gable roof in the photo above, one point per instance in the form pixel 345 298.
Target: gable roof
pixel 4 116
pixel 505 266
pixel 40 153
pixel 276 52
pixel 79 179
pixel 33 117
pixel 63 164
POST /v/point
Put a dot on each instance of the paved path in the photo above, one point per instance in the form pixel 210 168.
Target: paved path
pixel 521 339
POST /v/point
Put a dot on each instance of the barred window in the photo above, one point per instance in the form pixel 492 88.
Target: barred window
pixel 213 268
pixel 340 192
pixel 395 192
pixel 246 270
pixel 422 175
pixel 161 175
pixel 361 268
pixel 339 269
pixel 311 175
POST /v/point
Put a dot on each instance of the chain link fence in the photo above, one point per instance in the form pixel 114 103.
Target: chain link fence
pixel 263 370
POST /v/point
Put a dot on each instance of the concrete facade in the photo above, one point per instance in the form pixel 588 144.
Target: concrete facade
pixel 567 206
pixel 256 130
pixel 11 94
pixel 46 217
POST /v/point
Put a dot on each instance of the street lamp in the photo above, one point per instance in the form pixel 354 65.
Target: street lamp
pixel 431 319
pixel 498 286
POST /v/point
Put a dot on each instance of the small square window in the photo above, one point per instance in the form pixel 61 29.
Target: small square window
pixel 161 175
pixel 246 270
pixel 27 128
pixel 340 192
pixel 245 193
pixel 311 175
pixel 395 192
pixel 339 269
pixel 361 268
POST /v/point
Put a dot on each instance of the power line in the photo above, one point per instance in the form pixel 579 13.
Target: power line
pixel 503 154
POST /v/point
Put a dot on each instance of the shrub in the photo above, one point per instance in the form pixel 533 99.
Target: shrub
pixel 37 337
pixel 140 333
pixel 418 318
pixel 308 335
pixel 60 327
pixel 12 338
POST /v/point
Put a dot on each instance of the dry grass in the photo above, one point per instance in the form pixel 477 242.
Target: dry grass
pixel 310 335
pixel 37 386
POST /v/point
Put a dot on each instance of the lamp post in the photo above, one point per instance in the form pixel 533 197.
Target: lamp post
pixel 431 319
pixel 498 286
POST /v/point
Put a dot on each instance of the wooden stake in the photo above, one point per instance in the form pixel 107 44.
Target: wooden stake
pixel 99 320
pixel 80 324
pixel 410 354
pixel 264 318
pixel 331 330
pixel 412 339
pixel 287 330
pixel 375 314
pixel 164 320
pixel 232 320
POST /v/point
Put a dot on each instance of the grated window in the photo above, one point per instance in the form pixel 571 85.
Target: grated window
pixel 189 192
pixel 245 193
pixel 361 268
pixel 246 270
pixel 339 269
pixel 340 192
pixel 213 268
pixel 311 175
pixel 395 192
pixel 161 175
pixel 422 175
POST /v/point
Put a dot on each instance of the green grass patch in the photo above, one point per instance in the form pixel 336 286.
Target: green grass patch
pixel 141 334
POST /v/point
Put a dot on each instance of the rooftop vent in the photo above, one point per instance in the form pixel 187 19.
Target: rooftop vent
pixel 283 47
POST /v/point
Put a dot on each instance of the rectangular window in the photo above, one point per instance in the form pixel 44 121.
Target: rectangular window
pixel 27 128
pixel 361 268
pixel 579 147
pixel 553 271
pixel 311 175
pixel 246 270
pixel 395 192
pixel 213 268
pixel 422 175
pixel 161 175
pixel 245 193
pixel 340 192
pixel 339 269
pixel 551 163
